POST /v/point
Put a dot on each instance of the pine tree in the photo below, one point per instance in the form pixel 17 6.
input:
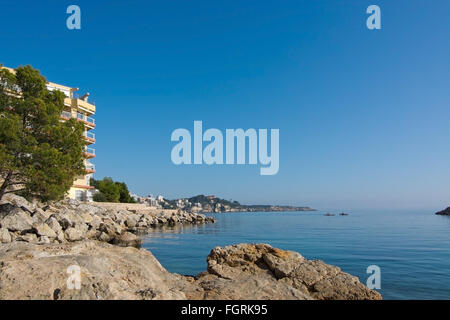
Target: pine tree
pixel 40 155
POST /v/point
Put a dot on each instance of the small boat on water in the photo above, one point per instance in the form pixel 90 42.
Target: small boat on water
pixel 343 214
pixel 329 214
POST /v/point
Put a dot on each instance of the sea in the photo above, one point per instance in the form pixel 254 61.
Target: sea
pixel 411 248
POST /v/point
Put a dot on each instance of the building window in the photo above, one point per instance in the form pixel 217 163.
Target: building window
pixel 79 195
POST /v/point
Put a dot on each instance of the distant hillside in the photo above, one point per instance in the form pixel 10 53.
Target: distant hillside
pixel 202 203
pixel 209 200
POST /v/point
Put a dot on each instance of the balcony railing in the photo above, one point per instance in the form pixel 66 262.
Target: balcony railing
pixel 89 135
pixel 66 114
pixel 90 168
pixel 90 151
pixel 84 118
pixel 78 96
pixel 90 120
pixel 80 116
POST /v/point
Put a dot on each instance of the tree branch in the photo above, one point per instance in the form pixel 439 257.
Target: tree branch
pixel 5 184
pixel 12 191
pixel 15 183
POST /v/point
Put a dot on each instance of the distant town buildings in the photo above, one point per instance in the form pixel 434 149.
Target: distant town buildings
pixel 160 202
pixel 211 204
pixel 148 200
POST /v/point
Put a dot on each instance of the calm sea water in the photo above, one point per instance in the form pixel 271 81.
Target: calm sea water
pixel 411 248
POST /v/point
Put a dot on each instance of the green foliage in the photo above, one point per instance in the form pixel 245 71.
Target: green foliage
pixel 99 197
pixel 110 191
pixel 40 156
pixel 108 188
pixel 124 193
pixel 199 199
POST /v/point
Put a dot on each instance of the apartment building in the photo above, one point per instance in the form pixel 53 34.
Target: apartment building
pixel 79 108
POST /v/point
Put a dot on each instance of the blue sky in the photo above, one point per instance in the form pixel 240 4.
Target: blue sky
pixel 363 115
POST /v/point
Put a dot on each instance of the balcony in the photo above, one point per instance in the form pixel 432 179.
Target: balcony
pixel 90 122
pixel 89 136
pixel 89 153
pixel 83 187
pixel 90 168
pixel 66 115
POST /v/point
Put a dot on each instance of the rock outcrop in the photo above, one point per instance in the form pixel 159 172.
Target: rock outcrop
pixel 257 271
pixel 445 212
pixel 70 221
pixel 31 271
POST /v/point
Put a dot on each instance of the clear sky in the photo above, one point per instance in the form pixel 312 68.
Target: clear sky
pixel 363 114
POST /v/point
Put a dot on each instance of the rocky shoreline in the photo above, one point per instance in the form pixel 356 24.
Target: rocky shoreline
pixel 40 243
pixel 70 221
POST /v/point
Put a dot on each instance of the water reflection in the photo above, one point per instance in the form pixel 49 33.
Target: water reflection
pixel 413 248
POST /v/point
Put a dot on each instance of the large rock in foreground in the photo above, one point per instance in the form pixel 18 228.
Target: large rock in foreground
pixel 32 271
pixel 259 271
